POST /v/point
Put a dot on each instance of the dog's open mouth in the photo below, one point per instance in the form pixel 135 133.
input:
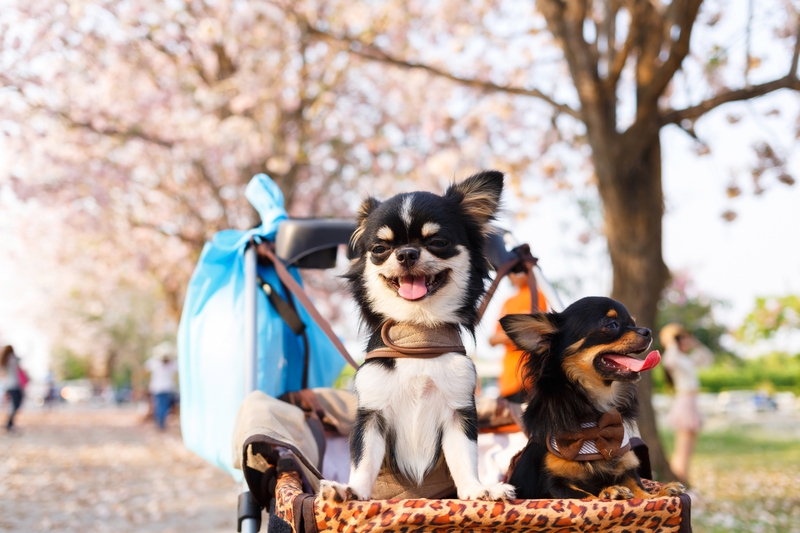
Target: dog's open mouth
pixel 416 287
pixel 626 364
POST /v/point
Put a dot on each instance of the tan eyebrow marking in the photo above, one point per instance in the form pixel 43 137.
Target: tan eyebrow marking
pixel 612 314
pixel 429 228
pixel 385 233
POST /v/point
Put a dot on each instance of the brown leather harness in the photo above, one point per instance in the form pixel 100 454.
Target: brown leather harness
pixel 417 342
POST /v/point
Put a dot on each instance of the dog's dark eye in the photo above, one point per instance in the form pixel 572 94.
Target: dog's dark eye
pixel 379 249
pixel 438 243
pixel 612 325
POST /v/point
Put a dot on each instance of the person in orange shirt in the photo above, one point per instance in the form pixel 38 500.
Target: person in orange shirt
pixel 510 379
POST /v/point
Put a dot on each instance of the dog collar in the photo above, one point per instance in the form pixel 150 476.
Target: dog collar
pixel 406 340
pixel 605 439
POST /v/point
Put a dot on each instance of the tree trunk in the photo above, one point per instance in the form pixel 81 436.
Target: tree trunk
pixel 630 186
pixel 111 364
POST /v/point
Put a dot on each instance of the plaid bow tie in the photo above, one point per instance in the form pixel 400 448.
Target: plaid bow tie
pixel 607 436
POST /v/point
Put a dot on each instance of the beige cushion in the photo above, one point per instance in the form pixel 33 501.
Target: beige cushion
pixel 262 418
pixel 437 484
pixel 340 408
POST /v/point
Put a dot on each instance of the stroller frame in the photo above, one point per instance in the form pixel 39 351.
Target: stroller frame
pixel 305 243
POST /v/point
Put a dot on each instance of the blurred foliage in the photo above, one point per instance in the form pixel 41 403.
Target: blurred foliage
pixel 70 365
pixel 660 384
pixel 122 377
pixel 777 371
pixel 345 379
pixel 111 339
pixel 126 329
pixel 769 316
pixel 774 372
pixel 681 303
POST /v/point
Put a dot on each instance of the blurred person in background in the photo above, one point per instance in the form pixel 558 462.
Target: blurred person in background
pixel 510 380
pixel 683 355
pixel 51 395
pixel 163 368
pixel 13 380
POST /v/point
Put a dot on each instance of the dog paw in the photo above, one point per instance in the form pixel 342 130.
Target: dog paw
pixel 494 492
pixel 336 492
pixel 671 489
pixel 616 492
pixel 501 491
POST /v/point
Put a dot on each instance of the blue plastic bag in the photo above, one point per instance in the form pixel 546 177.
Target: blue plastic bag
pixel 211 336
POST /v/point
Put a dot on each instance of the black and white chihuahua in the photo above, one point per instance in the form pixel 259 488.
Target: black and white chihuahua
pixel 420 266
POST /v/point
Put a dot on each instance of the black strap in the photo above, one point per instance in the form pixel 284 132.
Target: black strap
pixel 265 248
pixel 284 309
pixel 304 334
pixel 288 313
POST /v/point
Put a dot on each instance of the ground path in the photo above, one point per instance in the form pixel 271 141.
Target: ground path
pixel 96 469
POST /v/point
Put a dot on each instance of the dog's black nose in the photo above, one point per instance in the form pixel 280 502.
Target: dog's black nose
pixel 407 256
pixel 644 332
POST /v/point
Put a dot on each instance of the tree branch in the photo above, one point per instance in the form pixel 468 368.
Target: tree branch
pixel 129 133
pixel 202 171
pixel 675 116
pixel 796 54
pixel 373 53
pixel 691 133
pixel 677 53
pixel 619 59
pixel 188 239
pixel 748 59
pixel 610 29
pixel 598 106
pixel 196 66
pixel 566 21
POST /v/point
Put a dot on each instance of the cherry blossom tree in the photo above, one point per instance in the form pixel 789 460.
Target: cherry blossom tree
pixel 137 125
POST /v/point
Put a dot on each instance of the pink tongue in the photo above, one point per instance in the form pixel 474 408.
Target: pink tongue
pixel 412 287
pixel 637 365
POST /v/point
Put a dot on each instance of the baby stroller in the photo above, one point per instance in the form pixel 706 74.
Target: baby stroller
pixel 285 440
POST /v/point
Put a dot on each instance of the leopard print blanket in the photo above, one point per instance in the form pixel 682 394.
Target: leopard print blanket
pixel 307 514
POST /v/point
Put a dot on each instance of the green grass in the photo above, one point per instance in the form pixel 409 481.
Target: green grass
pixel 748 480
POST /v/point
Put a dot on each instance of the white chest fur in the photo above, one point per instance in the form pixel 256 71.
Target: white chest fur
pixel 416 399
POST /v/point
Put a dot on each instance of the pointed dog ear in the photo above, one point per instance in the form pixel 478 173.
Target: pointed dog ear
pixel 529 332
pixel 367 207
pixel 479 195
